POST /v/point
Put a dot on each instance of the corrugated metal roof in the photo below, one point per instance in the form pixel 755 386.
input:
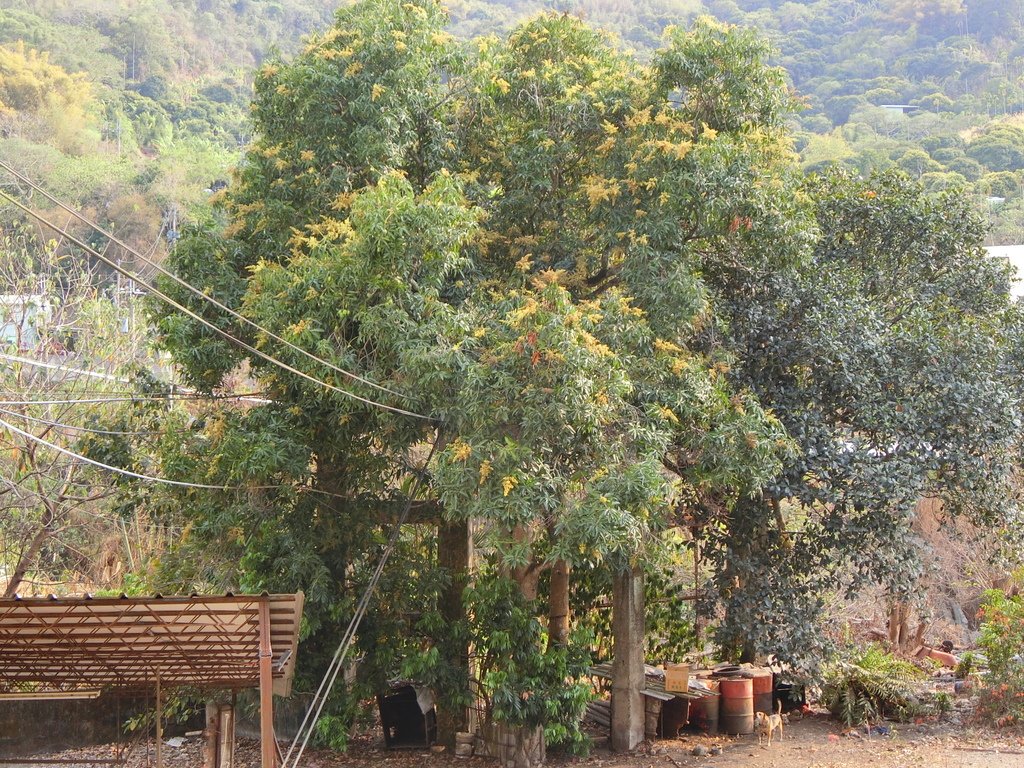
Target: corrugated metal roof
pixel 126 643
pixel 654 683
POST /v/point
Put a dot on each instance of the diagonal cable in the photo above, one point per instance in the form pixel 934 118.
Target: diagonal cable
pixel 219 331
pixel 188 286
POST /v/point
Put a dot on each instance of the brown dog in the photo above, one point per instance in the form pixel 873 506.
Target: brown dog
pixel 766 724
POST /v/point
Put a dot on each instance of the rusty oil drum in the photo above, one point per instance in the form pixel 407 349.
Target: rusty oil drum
pixel 704 711
pixel 736 706
pixel 763 691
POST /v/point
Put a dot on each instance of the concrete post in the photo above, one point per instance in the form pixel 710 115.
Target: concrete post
pixel 628 667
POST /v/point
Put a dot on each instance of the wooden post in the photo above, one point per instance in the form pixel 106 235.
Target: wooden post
pixel 210 733
pixel 159 727
pixel 226 714
pixel 268 747
pixel 628 712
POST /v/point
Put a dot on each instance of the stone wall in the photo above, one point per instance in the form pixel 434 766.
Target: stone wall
pixel 27 727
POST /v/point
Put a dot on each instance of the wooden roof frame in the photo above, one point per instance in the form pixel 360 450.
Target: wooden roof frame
pixel 127 644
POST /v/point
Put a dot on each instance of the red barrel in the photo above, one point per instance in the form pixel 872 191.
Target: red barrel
pixel 763 691
pixel 736 706
pixel 704 711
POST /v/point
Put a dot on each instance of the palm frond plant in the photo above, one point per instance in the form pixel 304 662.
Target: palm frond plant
pixel 869 684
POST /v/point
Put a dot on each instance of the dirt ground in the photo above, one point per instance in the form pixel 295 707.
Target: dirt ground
pixel 814 742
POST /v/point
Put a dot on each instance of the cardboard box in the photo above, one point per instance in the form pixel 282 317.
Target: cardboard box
pixel 677 678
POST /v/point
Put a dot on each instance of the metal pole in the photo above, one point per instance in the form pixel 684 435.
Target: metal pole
pixel 159 727
pixel 268 747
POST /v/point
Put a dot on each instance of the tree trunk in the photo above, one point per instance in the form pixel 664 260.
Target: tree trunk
pixel 30 553
pixel 899 626
pixel 453 556
pixel 526 576
pixel 558 605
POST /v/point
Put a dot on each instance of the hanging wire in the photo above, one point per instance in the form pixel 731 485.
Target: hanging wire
pixel 130 397
pixel 76 428
pixel 128 473
pixel 219 331
pixel 63 368
pixel 154 478
pixel 188 286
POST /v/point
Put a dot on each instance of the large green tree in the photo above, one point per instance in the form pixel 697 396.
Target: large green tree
pixel 514 239
pixel 614 305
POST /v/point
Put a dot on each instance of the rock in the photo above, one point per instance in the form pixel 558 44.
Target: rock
pixel 796 715
pixel 437 749
pixel 699 751
pixel 715 751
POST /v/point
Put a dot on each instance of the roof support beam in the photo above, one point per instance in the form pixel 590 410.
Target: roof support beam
pixel 268 743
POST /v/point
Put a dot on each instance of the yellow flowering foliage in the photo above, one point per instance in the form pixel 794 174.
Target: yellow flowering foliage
pixel 508 484
pixel 461 450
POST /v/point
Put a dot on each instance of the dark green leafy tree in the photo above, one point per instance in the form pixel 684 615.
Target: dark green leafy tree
pixel 885 356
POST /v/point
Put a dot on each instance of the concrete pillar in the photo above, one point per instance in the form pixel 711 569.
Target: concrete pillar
pixel 628 666
pixel 453 548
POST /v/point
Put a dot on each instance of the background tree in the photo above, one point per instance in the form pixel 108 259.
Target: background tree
pixel 885 357
pixel 62 343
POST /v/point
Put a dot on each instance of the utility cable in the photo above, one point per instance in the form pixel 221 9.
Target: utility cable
pixel 131 397
pixel 128 472
pixel 152 478
pixel 185 284
pixel 334 668
pixel 56 367
pixel 219 331
pixel 75 428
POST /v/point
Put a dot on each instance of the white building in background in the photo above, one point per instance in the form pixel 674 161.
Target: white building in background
pixel 1015 255
pixel 22 317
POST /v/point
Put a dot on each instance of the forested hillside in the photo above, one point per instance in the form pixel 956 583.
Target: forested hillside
pixel 133 111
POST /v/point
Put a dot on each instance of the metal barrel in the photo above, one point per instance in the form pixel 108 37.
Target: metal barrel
pixel 763 691
pixel 736 715
pixel 704 711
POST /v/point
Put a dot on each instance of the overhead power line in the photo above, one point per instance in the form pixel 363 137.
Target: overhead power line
pixel 77 428
pixel 132 397
pixel 167 481
pixel 57 367
pixel 182 393
pixel 188 286
pixel 219 331
pixel 127 472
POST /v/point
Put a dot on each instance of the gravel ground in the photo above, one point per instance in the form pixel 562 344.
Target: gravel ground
pixel 814 742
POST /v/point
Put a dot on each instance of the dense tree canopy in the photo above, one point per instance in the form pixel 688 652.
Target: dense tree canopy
pixel 611 304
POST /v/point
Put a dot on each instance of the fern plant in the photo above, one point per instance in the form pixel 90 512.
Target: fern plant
pixel 869 684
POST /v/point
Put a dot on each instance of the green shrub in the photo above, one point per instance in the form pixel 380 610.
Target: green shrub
pixel 1001 698
pixel 869 684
